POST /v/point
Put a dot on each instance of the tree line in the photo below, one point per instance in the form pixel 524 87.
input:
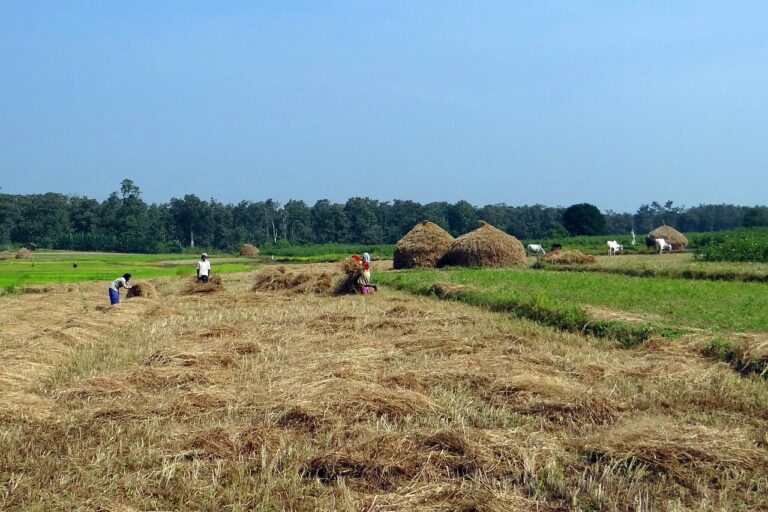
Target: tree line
pixel 125 222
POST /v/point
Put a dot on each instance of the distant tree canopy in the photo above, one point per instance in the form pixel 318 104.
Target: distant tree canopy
pixel 124 222
pixel 584 219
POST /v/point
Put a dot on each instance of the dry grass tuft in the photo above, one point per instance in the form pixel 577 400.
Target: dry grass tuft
pixel 449 290
pixel 486 246
pixel 678 449
pixel 422 246
pixel 574 257
pixel 214 285
pixel 275 279
pixel 38 289
pixel 142 289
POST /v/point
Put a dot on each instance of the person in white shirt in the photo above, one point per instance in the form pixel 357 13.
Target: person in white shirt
pixel 203 268
pixel 120 282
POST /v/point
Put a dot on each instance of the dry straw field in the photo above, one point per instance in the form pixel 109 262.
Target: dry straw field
pixel 243 399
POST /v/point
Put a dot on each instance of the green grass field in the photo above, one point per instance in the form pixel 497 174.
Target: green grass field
pixel 667 304
pixel 57 267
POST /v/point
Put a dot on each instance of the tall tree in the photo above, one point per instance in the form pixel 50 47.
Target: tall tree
pixel 583 219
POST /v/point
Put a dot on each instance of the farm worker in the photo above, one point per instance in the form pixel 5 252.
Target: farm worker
pixel 203 268
pixel 365 279
pixel 120 282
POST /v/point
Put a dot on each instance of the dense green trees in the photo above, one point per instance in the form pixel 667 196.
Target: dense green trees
pixel 124 222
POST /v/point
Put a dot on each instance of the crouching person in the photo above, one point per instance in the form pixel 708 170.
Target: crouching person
pixel 120 282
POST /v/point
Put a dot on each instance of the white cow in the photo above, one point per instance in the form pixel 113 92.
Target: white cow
pixel 535 249
pixel 614 247
pixel 662 245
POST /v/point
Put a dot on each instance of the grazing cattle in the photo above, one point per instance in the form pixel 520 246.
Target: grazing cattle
pixel 555 247
pixel 614 247
pixel 662 245
pixel 535 249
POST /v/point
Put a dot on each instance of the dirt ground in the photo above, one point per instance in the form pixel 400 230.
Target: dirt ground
pixel 277 401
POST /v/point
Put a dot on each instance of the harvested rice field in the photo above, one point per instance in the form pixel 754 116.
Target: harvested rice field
pixel 258 398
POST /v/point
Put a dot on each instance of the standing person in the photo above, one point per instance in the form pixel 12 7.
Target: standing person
pixel 203 268
pixel 365 280
pixel 120 282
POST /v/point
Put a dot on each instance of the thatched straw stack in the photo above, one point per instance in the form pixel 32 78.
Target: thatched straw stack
pixel 673 237
pixel 6 255
pixel 276 279
pixel 422 246
pixel 249 250
pixel 141 289
pixel 23 254
pixel 486 246
pixel 574 257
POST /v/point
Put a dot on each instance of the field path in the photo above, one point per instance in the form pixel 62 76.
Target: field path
pixel 282 401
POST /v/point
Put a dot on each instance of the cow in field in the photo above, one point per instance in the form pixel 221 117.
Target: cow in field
pixel 614 247
pixel 535 249
pixel 555 247
pixel 662 245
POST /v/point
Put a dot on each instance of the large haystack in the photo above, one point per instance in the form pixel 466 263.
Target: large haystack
pixel 249 250
pixel 23 254
pixel 673 237
pixel 422 246
pixel 485 247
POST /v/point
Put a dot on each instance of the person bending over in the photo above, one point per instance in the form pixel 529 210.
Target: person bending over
pixel 120 282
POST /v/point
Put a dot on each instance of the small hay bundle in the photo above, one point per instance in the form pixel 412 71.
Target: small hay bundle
pixel 275 279
pixel 213 285
pixel 23 254
pixel 673 237
pixel 350 282
pixel 486 246
pixel 422 246
pixel 574 257
pixel 249 250
pixel 141 289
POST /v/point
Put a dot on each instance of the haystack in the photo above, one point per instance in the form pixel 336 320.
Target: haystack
pixel 249 250
pixel 422 246
pixel 673 237
pixel 486 246
pixel 6 255
pixel 574 257
pixel 213 285
pixel 276 279
pixel 352 270
pixel 141 289
pixel 23 254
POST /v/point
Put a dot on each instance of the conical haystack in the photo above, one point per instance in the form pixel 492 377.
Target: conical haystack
pixel 672 236
pixel 485 247
pixel 249 250
pixel 422 246
pixel 23 254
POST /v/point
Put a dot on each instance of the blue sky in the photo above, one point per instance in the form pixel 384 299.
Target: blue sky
pixel 613 103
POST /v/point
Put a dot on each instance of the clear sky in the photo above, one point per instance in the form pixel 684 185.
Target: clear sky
pixel 613 103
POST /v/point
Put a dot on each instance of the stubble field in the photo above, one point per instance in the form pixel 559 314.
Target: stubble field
pixel 243 400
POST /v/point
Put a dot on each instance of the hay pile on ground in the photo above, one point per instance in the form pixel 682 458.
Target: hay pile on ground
pixel 6 255
pixel 673 237
pixel 23 254
pixel 275 279
pixel 352 270
pixel 486 246
pixel 213 285
pixel 141 289
pixel 422 246
pixel 249 250
pixel 574 257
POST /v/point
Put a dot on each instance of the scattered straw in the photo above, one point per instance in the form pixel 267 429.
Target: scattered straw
pixel 142 289
pixel 574 257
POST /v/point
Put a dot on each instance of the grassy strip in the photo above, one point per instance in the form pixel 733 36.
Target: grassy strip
pixel 700 275
pixel 538 308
